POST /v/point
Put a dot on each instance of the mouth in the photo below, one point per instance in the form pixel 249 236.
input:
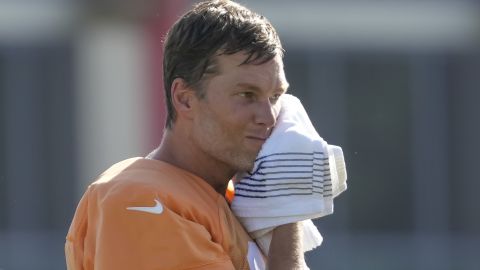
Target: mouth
pixel 256 141
pixel 257 138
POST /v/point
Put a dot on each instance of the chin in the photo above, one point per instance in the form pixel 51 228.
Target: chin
pixel 238 161
pixel 245 163
pixel 245 168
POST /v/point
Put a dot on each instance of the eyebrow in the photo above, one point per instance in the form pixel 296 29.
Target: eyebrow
pixel 252 87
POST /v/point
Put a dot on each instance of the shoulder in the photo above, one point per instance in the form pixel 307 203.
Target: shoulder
pixel 141 182
pixel 155 208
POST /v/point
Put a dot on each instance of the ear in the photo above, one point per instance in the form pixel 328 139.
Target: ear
pixel 182 98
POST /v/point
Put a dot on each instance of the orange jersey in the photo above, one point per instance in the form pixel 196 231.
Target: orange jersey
pixel 148 214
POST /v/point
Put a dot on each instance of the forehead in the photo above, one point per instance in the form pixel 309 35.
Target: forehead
pixel 266 75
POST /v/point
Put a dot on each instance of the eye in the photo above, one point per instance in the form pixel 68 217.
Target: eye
pixel 247 95
pixel 275 98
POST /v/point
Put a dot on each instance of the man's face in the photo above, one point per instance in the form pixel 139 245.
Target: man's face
pixel 238 111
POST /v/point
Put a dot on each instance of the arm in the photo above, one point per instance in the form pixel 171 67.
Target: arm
pixel 286 250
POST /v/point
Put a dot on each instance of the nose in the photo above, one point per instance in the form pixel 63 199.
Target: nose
pixel 266 114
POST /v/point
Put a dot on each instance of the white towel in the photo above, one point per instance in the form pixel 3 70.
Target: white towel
pixel 295 178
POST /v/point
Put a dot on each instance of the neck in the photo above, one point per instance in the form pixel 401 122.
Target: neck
pixel 177 149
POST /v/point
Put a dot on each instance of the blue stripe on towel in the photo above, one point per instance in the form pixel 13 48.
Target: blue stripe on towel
pixel 277 195
pixel 271 190
pixel 321 170
pixel 243 183
pixel 283 172
pixel 285 159
pixel 320 164
pixel 289 153
pixel 276 178
pixel 286 166
pixel 262 187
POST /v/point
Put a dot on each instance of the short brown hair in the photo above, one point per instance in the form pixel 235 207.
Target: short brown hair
pixel 212 28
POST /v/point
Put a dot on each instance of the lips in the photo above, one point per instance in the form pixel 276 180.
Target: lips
pixel 256 142
pixel 259 138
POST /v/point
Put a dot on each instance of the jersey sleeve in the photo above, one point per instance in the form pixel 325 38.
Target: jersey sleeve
pixel 74 248
pixel 144 236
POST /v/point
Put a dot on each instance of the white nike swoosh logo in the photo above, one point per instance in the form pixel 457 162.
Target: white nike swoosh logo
pixel 157 209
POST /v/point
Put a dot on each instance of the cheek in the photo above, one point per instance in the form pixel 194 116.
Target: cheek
pixel 276 109
pixel 226 122
pixel 231 126
pixel 218 128
pixel 234 116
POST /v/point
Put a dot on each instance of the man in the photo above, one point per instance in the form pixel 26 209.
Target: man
pixel 223 75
